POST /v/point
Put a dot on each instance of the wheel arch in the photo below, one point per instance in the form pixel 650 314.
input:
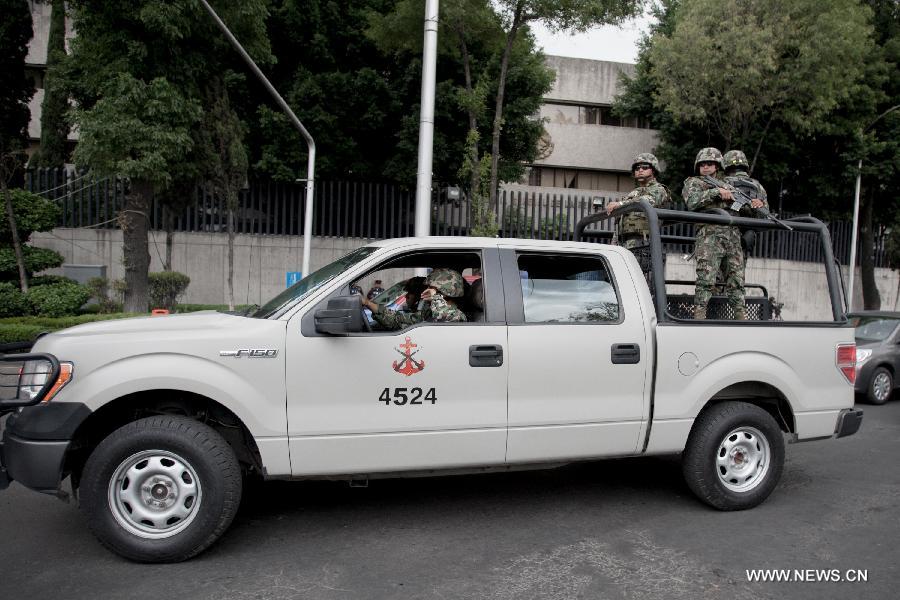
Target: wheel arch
pixel 137 405
pixel 761 394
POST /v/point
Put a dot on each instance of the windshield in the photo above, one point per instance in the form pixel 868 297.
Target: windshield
pixel 874 329
pixel 281 303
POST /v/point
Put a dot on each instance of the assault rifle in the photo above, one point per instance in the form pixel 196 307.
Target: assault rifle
pixel 740 199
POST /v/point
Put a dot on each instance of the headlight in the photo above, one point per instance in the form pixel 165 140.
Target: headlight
pixel 862 355
pixel 34 376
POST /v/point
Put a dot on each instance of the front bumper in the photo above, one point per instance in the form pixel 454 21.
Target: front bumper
pixel 848 422
pixel 34 445
pixel 36 464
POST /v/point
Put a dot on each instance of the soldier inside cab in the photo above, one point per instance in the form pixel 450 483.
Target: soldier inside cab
pixel 444 288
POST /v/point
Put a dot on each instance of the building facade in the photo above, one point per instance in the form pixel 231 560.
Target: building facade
pixel 585 147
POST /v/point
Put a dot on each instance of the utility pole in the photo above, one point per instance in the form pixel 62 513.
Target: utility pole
pixel 426 121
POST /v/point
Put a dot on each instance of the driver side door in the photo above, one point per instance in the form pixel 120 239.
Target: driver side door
pixel 401 400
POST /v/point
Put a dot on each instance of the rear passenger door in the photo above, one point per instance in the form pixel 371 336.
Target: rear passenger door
pixel 579 356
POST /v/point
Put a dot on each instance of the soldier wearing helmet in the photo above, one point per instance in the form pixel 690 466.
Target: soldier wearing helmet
pixel 716 246
pixel 443 288
pixel 633 229
pixel 737 174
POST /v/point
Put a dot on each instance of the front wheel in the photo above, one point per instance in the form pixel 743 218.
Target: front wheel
pixel 161 489
pixel 734 456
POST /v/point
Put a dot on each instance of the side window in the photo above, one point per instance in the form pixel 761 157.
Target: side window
pixel 396 287
pixel 567 289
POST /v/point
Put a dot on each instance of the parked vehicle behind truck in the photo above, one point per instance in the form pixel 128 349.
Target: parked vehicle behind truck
pixel 566 357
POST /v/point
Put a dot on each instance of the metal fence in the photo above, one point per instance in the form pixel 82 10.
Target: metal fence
pixel 378 211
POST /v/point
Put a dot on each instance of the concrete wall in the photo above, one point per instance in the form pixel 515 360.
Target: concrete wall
pixel 261 263
pixel 582 80
pixel 601 147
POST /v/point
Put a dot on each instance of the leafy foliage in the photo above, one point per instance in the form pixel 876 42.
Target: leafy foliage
pixel 15 87
pixel 166 287
pixel 58 299
pixel 36 260
pixel 737 65
pixel 33 213
pixel 54 124
pixel 13 302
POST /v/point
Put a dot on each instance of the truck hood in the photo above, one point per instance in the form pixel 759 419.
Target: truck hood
pixel 204 333
pixel 201 321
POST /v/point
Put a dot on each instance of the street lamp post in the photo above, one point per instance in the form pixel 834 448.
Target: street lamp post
pixel 853 236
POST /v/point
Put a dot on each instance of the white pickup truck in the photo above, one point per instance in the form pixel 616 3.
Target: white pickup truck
pixel 565 357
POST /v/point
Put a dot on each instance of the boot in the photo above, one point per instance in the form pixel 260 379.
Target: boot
pixel 740 313
pixel 699 312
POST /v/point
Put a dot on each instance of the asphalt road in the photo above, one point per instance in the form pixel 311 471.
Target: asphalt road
pixel 614 529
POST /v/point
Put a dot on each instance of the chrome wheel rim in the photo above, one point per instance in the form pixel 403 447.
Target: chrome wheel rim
pixel 742 459
pixel 881 386
pixel 154 494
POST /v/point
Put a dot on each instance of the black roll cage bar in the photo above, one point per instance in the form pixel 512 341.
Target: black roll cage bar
pixel 716 216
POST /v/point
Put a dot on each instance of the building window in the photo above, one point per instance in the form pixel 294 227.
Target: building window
pixel 591 115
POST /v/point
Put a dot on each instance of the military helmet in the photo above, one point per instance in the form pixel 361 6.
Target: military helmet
pixel 447 281
pixel 646 158
pixel 735 158
pixel 709 155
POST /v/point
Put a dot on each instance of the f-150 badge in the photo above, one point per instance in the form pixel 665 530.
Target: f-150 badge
pixel 408 366
pixel 251 353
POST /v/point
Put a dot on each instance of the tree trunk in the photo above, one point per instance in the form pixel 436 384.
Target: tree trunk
pixel 498 109
pixel 135 246
pixel 230 258
pixel 17 244
pixel 475 175
pixel 170 237
pixel 871 297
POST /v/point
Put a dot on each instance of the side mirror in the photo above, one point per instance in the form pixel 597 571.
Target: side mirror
pixel 343 315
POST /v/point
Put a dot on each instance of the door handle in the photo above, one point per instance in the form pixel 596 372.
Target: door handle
pixel 485 356
pixel 625 354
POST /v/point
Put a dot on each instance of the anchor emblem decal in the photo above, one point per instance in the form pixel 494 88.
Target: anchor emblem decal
pixel 408 366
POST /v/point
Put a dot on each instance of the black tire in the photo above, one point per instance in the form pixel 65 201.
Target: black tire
pixel 880 386
pixel 177 467
pixel 734 456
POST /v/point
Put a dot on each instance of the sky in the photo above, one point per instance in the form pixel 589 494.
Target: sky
pixel 618 44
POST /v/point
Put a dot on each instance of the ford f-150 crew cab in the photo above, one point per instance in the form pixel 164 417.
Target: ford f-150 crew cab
pixel 565 356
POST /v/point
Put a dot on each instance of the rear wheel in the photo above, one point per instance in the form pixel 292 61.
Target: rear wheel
pixel 161 489
pixel 880 386
pixel 734 456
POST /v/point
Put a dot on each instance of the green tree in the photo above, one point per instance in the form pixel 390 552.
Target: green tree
pixel 221 136
pixel 137 72
pixel 806 154
pixel 54 124
pixel 141 131
pixel 15 92
pixel 740 65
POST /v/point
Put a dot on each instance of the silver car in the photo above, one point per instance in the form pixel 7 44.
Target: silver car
pixel 877 353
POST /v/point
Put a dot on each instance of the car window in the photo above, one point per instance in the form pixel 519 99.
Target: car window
pixel 567 289
pixel 395 273
pixel 874 329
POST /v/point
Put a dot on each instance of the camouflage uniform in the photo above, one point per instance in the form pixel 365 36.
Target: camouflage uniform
pixel 737 166
pixel 448 283
pixel 633 229
pixel 715 244
pixel 737 160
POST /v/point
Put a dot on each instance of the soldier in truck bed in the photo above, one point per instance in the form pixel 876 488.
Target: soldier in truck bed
pixel 633 229
pixel 716 245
